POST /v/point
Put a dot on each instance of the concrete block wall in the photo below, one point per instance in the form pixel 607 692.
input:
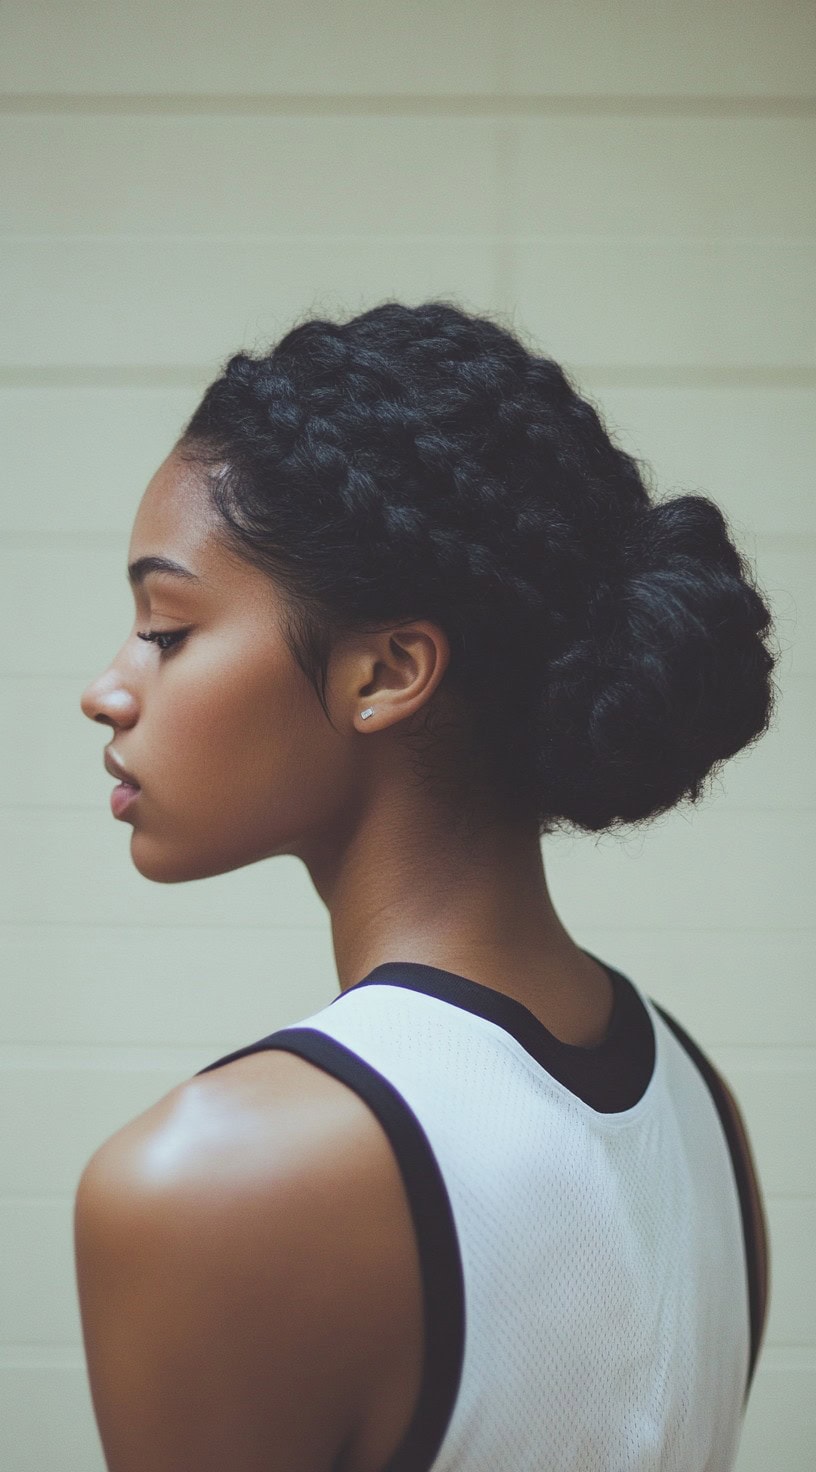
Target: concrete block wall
pixel 632 187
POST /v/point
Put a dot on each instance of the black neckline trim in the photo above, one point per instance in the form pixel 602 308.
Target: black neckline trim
pixel 610 1077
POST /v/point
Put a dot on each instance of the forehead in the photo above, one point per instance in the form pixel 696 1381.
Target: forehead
pixel 174 514
pixel 177 520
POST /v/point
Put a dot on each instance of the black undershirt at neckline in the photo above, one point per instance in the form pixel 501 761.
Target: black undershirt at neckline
pixel 611 1076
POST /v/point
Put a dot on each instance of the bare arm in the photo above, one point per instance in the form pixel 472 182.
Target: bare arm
pixel 230 1267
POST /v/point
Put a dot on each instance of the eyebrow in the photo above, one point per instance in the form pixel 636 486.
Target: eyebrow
pixel 138 570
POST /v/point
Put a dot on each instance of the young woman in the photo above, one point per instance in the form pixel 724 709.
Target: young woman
pixel 403 609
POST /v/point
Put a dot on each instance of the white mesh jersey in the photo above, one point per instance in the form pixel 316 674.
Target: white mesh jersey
pixel 588 1266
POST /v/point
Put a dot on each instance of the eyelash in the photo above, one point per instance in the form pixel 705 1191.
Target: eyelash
pixel 173 635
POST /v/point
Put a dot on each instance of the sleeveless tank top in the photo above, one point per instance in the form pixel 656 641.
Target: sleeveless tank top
pixel 589 1271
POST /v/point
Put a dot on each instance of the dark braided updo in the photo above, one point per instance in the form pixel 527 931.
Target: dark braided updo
pixel 607 650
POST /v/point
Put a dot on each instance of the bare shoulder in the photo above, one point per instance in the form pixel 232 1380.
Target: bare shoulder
pixel 262 1092
pixel 254 1125
pixel 260 1209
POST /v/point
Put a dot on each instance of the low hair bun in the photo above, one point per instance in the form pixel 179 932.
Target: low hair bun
pixel 671 678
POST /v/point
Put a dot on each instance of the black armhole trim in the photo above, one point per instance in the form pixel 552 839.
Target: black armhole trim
pixel 437 1241
pixel 741 1174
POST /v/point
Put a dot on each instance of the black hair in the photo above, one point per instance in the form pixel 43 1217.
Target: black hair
pixel 608 649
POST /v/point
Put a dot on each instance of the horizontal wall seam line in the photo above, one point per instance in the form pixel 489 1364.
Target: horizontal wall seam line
pixel 45 1347
pixel 81 539
pixel 12 927
pixel 84 539
pixel 65 1051
pixel 733 806
pixel 12 1197
pixel 471 104
pixel 67 1196
pixel 242 926
pixel 410 237
pixel 640 375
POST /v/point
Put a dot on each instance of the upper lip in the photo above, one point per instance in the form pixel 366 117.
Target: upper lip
pixel 114 766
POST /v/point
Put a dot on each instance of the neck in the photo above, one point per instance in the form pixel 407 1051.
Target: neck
pixel 408 888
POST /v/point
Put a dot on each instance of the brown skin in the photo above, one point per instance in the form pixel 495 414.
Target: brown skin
pixel 237 762
pixel 246 1261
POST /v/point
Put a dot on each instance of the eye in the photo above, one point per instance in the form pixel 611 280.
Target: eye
pixel 165 638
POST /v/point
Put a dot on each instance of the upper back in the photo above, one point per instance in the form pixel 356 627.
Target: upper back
pixel 578 1219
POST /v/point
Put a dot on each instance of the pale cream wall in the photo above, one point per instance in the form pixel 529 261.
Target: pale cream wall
pixel 632 184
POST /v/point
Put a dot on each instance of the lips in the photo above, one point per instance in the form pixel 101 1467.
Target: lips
pixel 114 766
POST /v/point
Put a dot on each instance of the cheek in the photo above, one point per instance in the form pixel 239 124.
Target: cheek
pixel 248 735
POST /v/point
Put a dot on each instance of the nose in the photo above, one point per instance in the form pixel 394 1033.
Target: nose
pixel 108 700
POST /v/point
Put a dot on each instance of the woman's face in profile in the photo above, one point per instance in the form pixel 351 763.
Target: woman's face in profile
pixel 223 733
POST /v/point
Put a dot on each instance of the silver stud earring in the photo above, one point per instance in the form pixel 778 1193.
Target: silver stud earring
pixel 364 714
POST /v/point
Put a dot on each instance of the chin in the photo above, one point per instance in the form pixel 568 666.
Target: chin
pixel 163 866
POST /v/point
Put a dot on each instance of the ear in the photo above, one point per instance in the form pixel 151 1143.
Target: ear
pixel 395 672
